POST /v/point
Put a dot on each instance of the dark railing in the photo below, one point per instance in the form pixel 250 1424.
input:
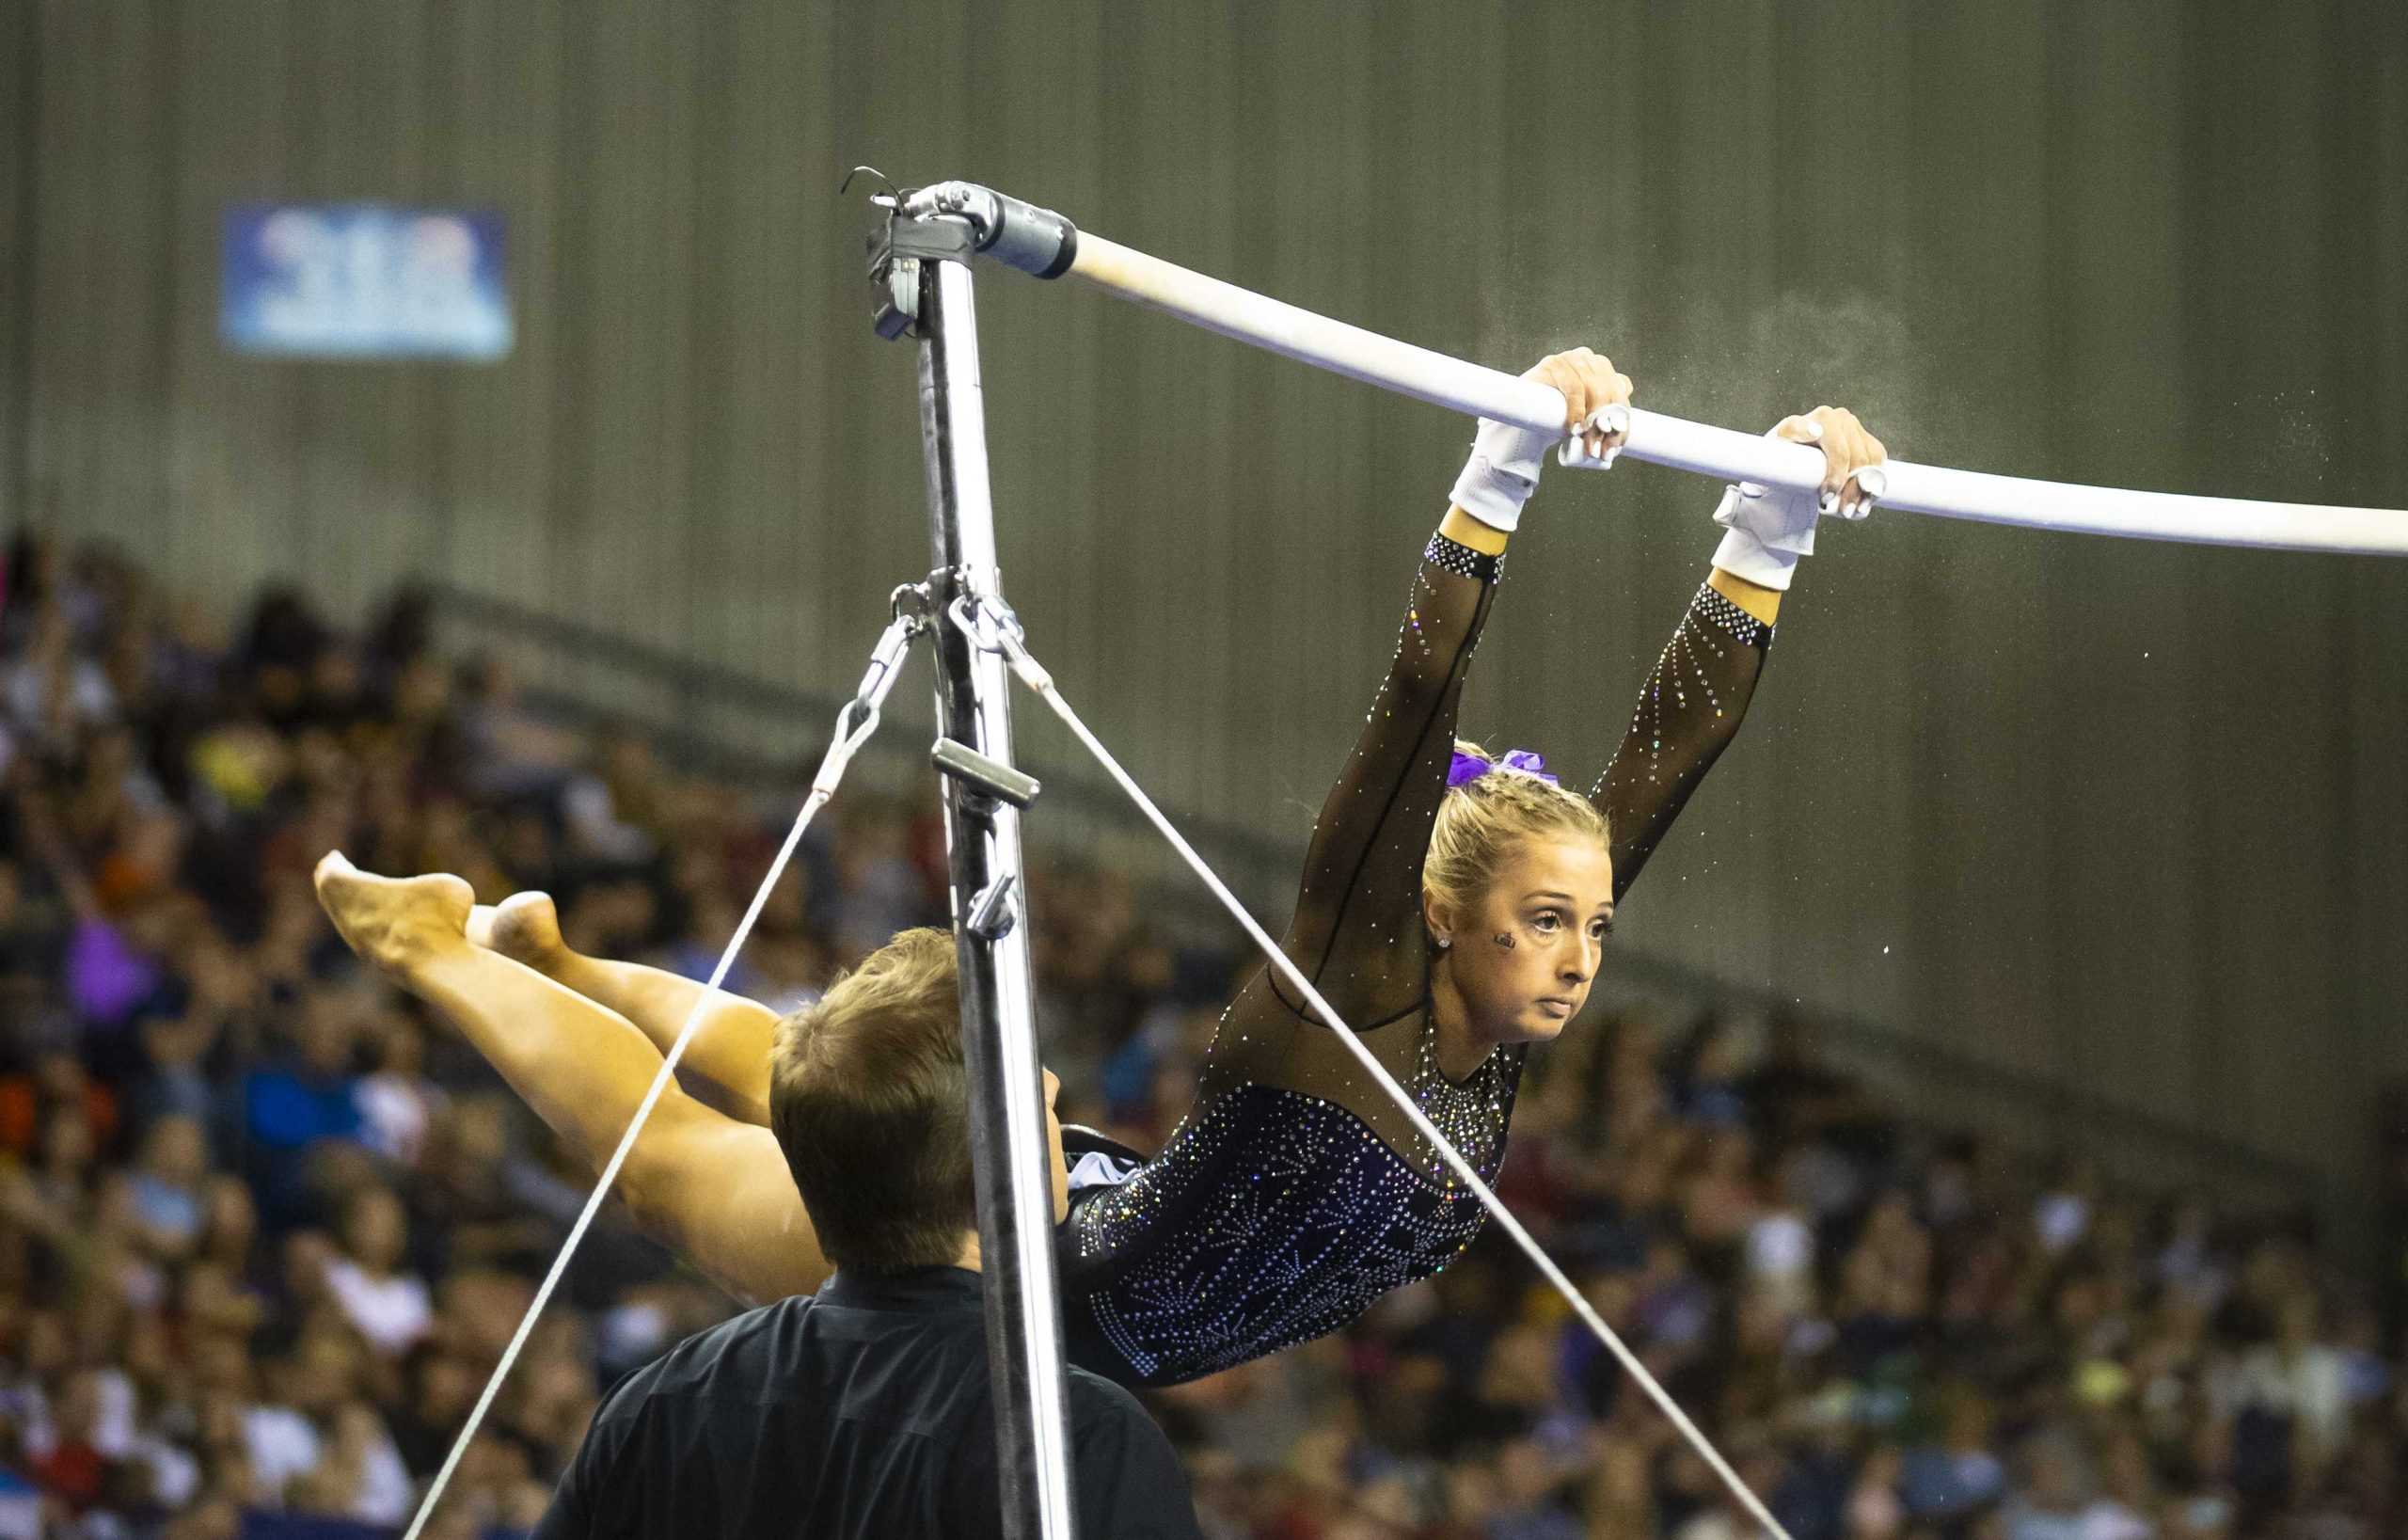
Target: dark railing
pixel 762 732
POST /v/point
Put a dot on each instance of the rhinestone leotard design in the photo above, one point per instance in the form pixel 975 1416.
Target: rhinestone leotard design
pixel 1294 1194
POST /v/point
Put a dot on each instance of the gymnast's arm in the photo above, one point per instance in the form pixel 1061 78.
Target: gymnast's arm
pixel 1362 884
pixel 1692 702
pixel 1688 710
pixel 713 1189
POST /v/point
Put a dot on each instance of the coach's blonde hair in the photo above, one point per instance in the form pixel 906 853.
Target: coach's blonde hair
pixel 1480 821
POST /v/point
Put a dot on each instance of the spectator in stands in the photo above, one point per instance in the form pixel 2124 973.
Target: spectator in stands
pixel 387 1305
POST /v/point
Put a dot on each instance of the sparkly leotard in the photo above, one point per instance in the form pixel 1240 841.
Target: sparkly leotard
pixel 1294 1193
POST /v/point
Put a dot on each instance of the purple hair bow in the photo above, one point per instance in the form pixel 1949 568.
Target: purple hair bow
pixel 1470 767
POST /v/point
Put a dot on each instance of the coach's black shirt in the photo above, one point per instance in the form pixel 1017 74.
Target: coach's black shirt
pixel 862 1410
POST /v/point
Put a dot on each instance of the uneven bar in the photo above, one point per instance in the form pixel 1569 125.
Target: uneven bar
pixel 1036 242
pixel 1722 452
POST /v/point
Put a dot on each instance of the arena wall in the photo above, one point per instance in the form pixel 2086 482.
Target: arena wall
pixel 2127 816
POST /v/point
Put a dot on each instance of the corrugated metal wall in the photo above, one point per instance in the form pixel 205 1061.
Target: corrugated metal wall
pixel 2128 815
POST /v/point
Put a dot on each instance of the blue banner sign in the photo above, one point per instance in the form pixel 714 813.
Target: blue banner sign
pixel 363 281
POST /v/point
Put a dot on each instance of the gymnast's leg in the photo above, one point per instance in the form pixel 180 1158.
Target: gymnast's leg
pixel 712 1188
pixel 731 1045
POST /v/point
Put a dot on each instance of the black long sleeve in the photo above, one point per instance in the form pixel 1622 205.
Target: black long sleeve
pixel 1687 713
pixel 1357 932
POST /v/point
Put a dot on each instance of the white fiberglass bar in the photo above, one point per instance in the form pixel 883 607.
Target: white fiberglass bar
pixel 1470 388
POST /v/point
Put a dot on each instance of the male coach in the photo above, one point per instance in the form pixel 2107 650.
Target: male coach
pixel 862 1411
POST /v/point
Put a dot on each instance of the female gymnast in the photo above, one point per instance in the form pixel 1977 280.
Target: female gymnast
pixel 1453 910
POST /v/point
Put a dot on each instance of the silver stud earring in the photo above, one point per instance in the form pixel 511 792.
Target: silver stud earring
pixel 1444 942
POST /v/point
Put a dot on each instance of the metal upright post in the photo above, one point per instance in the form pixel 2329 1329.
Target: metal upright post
pixel 998 1021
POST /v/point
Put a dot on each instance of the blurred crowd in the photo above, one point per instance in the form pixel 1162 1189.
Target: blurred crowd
pixel 265 1227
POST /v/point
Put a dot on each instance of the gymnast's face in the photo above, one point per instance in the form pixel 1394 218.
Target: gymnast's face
pixel 1524 957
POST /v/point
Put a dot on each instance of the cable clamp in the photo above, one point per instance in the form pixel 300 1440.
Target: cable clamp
pixel 857 719
pixel 992 626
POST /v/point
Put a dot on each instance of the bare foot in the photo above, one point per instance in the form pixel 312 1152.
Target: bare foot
pixel 393 922
pixel 525 928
